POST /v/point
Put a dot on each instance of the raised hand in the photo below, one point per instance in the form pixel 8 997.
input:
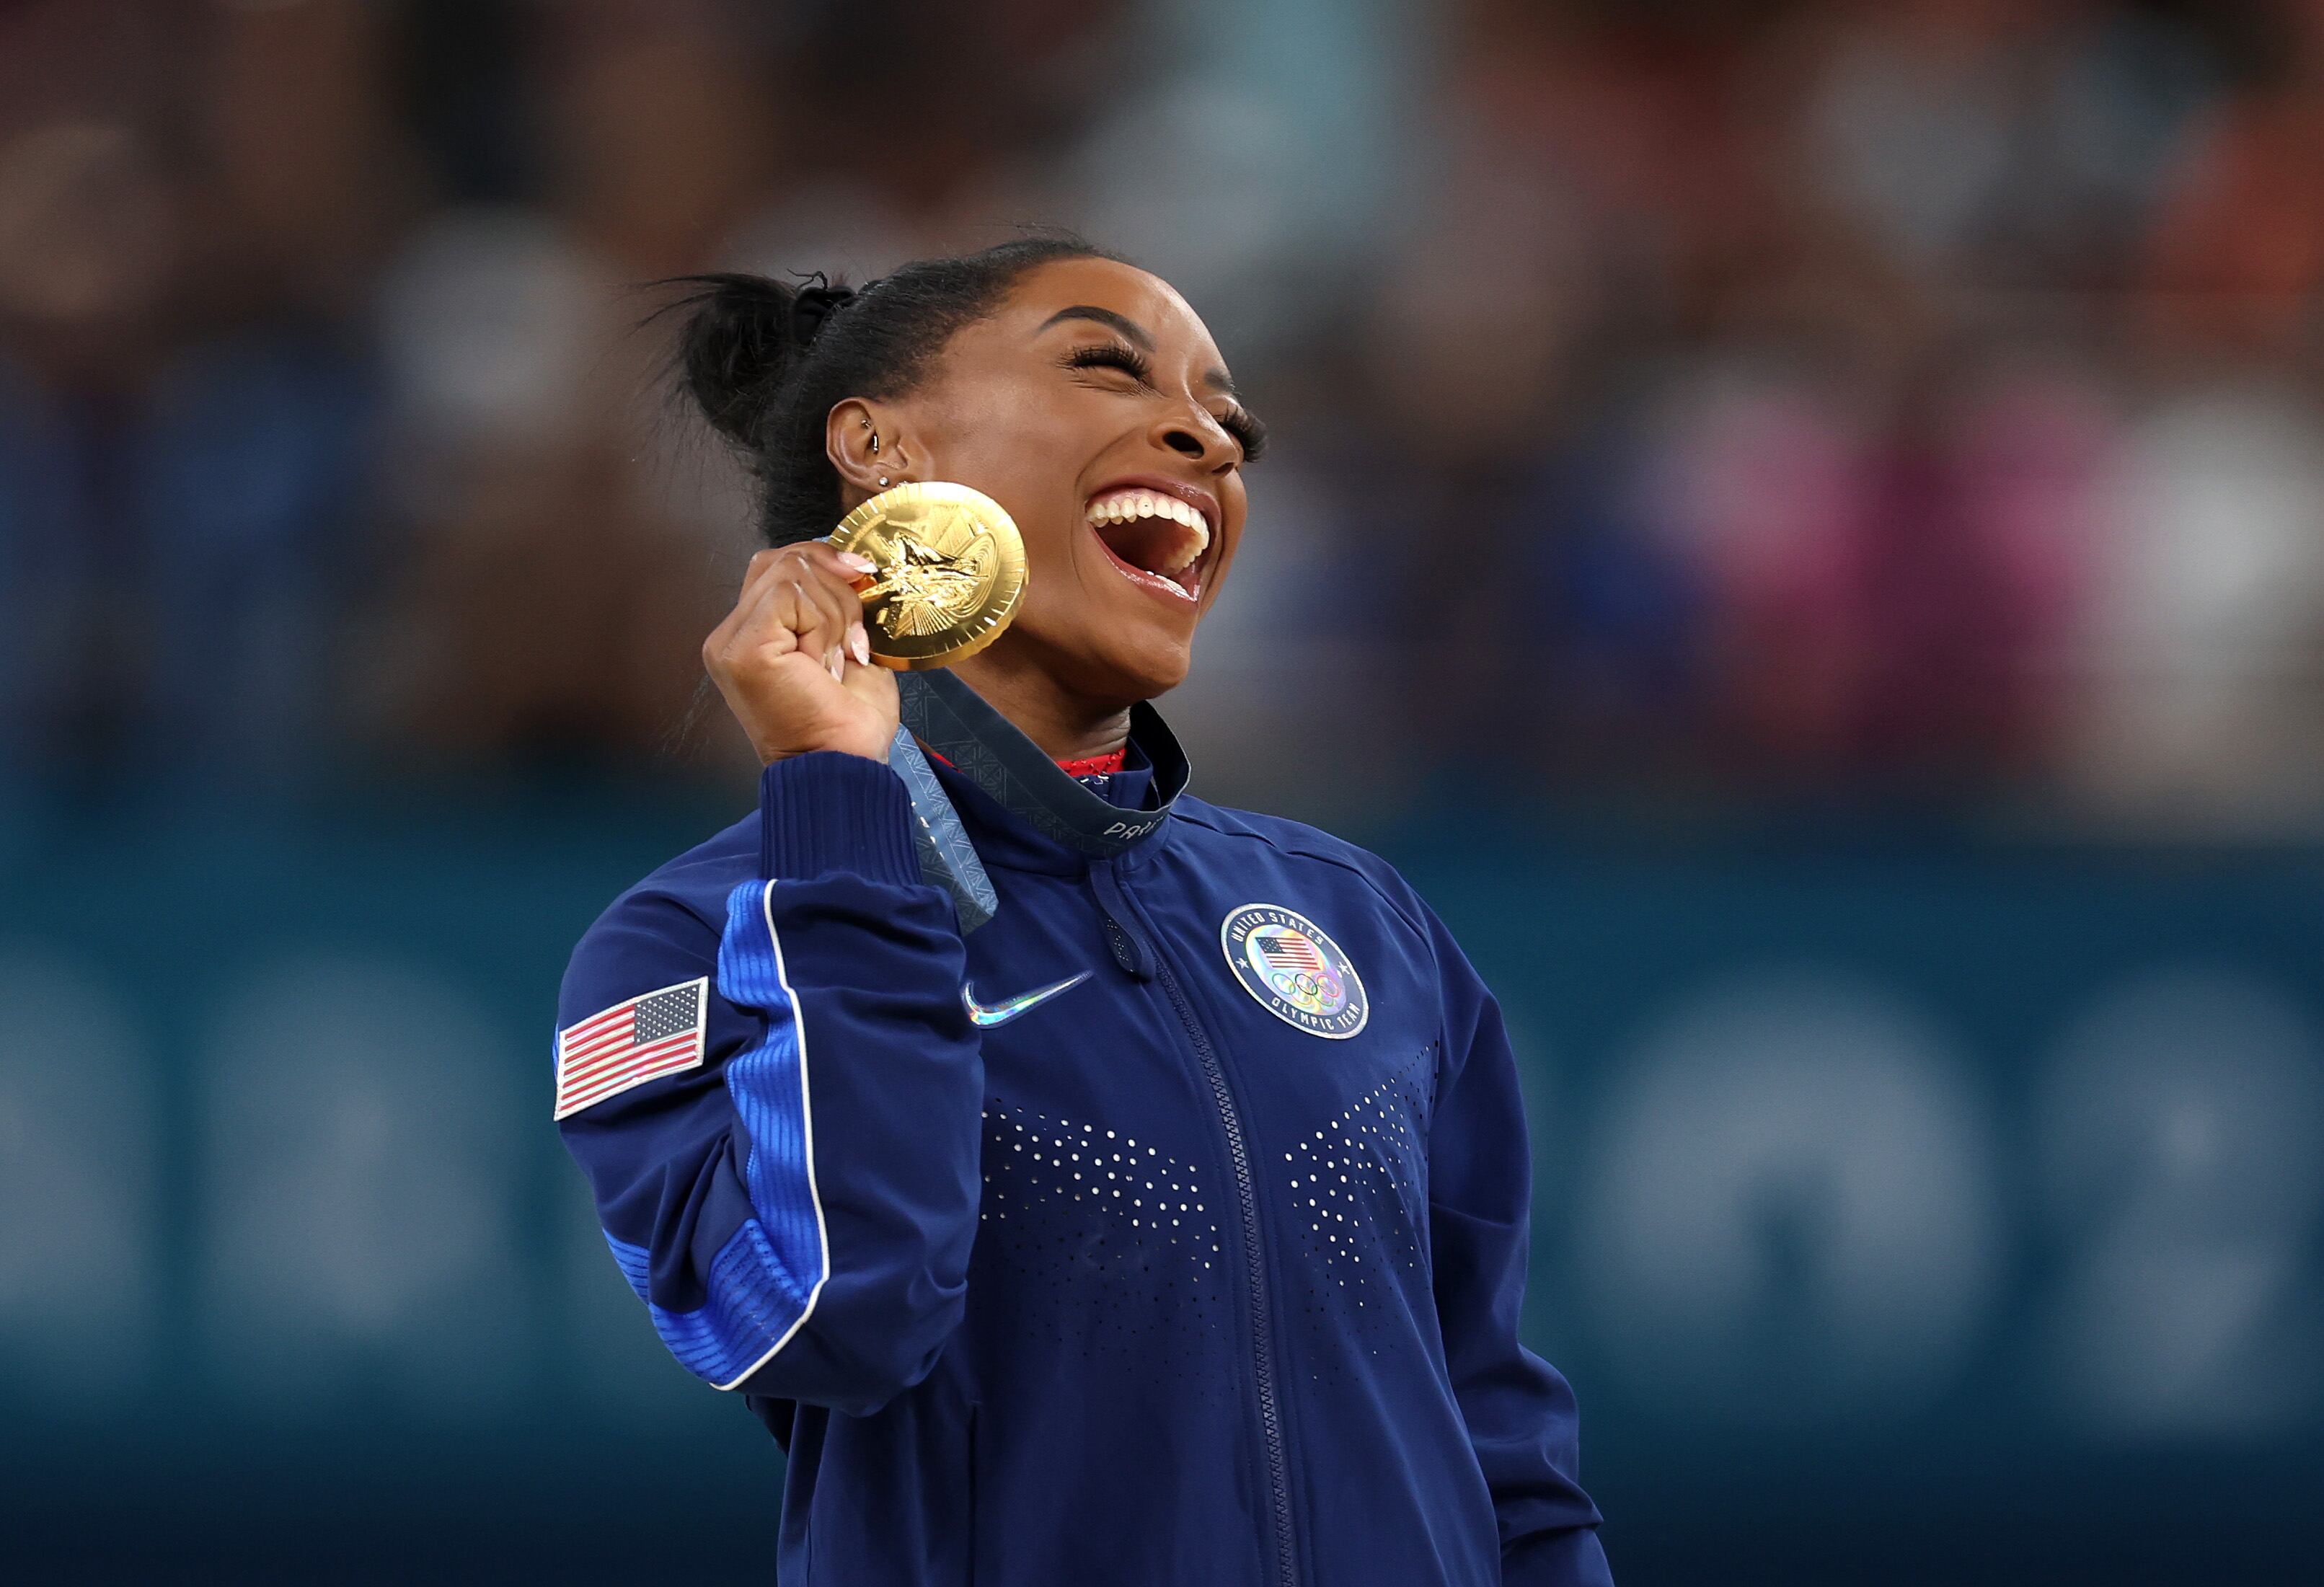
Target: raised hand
pixel 794 661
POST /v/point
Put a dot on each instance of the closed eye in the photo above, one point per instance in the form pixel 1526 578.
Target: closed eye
pixel 1237 421
pixel 1249 434
pixel 1119 356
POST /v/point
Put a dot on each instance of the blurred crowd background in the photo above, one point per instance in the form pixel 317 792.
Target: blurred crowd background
pixel 1696 403
pixel 1800 523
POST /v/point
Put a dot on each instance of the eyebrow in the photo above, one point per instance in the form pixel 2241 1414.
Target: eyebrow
pixel 1140 336
pixel 1217 380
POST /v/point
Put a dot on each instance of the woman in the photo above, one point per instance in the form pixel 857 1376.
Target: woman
pixel 1168 1226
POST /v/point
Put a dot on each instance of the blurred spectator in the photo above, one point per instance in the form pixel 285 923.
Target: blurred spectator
pixel 543 607
pixel 2237 251
pixel 550 603
pixel 181 451
pixel 2200 710
pixel 2002 142
pixel 1760 481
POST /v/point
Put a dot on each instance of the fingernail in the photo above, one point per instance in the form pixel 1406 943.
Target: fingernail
pixel 838 666
pixel 856 561
pixel 859 645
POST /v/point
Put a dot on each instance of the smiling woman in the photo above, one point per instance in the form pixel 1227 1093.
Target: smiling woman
pixel 1080 392
pixel 1194 1252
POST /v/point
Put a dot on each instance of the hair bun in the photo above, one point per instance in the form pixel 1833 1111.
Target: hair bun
pixel 741 340
pixel 811 306
pixel 761 360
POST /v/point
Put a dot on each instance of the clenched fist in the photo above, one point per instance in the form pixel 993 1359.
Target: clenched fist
pixel 794 662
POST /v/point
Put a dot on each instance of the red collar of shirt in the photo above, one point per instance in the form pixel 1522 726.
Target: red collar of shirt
pixel 1105 765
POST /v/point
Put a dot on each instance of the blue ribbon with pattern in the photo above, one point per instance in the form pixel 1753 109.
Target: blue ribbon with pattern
pixel 947 859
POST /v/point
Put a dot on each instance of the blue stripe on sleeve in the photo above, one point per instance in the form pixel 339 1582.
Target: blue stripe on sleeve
pixel 763 1282
pixel 728 1337
pixel 769 1088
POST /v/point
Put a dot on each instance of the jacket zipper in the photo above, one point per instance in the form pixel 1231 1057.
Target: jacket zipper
pixel 1261 1333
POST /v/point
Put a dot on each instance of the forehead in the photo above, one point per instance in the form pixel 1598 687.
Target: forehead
pixel 1125 290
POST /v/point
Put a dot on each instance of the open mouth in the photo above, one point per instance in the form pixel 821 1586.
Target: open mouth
pixel 1157 540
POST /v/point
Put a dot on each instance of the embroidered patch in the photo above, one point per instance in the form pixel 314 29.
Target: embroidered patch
pixel 653 1034
pixel 1296 970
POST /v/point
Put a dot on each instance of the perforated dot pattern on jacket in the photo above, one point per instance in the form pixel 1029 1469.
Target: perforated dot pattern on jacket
pixel 1359 1186
pixel 1095 1241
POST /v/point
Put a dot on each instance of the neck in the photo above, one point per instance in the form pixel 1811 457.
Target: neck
pixel 1066 725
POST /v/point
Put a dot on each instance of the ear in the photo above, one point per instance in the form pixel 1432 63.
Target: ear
pixel 849 433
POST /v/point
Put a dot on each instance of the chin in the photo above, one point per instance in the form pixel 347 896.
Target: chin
pixel 1139 671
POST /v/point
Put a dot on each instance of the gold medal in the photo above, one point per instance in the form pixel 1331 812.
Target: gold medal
pixel 948 572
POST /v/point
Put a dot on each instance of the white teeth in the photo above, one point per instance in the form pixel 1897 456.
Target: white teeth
pixel 1132 504
pixel 1122 506
pixel 1201 541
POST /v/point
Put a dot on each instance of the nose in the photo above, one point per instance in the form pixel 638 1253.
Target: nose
pixel 1197 436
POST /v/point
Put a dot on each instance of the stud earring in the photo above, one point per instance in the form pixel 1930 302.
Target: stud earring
pixel 883 482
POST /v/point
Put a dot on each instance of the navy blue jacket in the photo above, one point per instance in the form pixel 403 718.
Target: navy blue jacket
pixel 1170 1228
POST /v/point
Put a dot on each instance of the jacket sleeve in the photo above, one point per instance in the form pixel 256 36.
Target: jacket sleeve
pixel 1520 1413
pixel 796 1209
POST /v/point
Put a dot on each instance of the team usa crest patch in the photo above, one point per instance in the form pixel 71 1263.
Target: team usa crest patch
pixel 1294 970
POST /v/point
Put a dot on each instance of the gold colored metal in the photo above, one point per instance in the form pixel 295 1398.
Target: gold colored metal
pixel 949 572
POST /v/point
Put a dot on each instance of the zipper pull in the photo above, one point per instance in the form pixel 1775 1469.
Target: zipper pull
pixel 1129 948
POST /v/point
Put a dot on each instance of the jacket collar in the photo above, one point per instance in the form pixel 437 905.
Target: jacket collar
pixel 987 749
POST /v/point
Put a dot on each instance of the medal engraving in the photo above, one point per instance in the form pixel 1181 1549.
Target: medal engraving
pixel 948 572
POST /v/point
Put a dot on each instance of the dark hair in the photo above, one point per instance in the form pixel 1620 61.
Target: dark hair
pixel 767 362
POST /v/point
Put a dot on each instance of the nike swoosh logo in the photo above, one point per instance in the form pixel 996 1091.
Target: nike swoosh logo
pixel 1001 1013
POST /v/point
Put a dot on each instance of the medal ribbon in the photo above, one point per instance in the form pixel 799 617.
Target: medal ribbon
pixel 986 747
pixel 947 859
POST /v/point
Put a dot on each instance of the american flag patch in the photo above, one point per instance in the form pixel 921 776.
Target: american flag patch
pixel 1291 951
pixel 654 1034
